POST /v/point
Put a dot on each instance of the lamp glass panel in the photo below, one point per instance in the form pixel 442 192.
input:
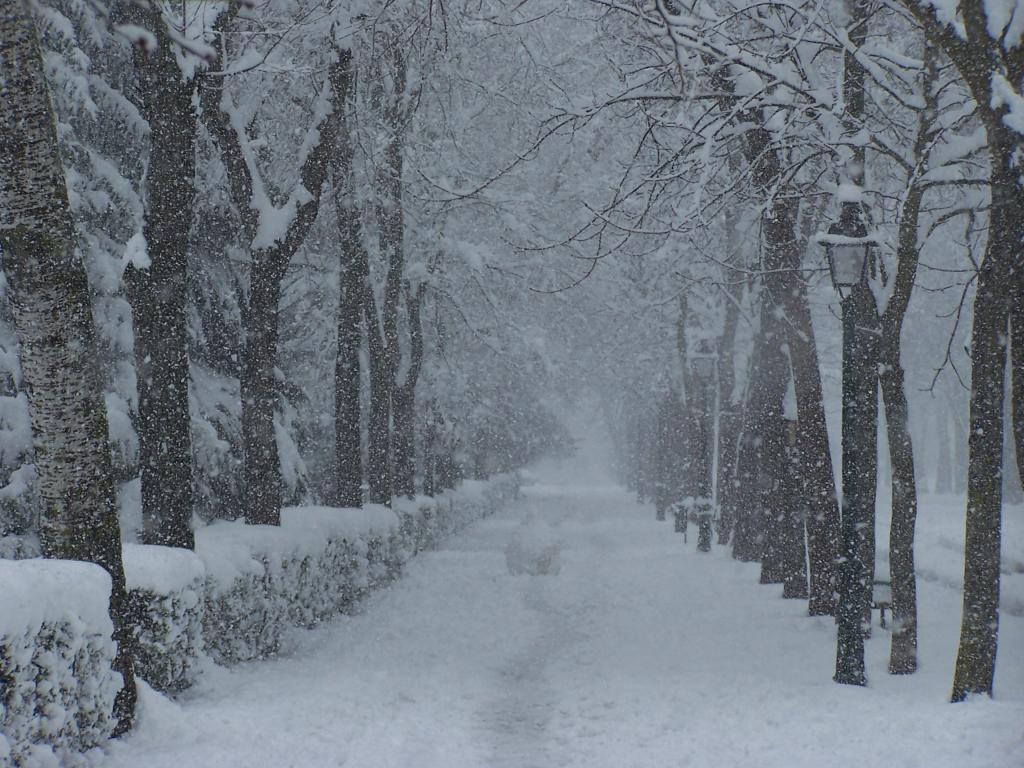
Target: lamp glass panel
pixel 848 263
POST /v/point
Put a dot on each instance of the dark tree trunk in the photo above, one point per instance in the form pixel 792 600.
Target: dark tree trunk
pixel 378 436
pixel 903 655
pixel 404 399
pixel 157 294
pixel 979 632
pixel 820 487
pixel 1017 375
pixel 404 441
pixel 774 501
pixel 748 535
pixel 382 331
pixel 262 470
pixel 354 266
pixel 50 302
pixel 347 425
pixel 728 418
pixel 794 562
pixel 860 478
pixel 998 279
pixel 787 290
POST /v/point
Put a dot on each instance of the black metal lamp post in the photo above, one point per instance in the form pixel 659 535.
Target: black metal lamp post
pixel 848 247
pixel 704 365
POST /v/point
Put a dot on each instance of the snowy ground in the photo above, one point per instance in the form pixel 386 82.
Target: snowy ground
pixel 640 652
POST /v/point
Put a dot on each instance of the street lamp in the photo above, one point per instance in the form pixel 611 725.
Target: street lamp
pixel 704 365
pixel 848 247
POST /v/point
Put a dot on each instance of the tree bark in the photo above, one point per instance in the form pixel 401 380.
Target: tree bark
pixel 378 436
pixel 786 289
pixel 794 584
pixel 997 280
pixel 404 399
pixel 50 301
pixel 728 419
pixel 1017 377
pixel 382 330
pixel 903 653
pixel 353 273
pixel 262 468
pixel 157 293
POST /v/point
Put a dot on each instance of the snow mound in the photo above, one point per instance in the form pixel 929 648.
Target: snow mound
pixel 534 548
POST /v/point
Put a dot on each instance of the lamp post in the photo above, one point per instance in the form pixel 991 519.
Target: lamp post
pixel 704 365
pixel 847 247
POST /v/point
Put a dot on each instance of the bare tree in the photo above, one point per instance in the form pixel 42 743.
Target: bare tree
pixel 991 62
pixel 271 247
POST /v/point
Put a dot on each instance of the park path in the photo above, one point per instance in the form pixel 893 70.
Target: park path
pixel 640 652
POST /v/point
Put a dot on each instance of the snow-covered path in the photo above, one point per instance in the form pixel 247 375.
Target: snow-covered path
pixel 641 652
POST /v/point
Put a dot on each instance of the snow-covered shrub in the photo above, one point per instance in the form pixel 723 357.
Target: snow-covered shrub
pixel 263 579
pixel 57 686
pixel 535 547
pixel 165 593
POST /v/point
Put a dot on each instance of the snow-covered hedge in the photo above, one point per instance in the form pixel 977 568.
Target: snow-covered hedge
pixel 57 687
pixel 230 600
pixel 166 592
pixel 260 580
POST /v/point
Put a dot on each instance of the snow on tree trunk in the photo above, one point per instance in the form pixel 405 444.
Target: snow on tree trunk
pixel 52 312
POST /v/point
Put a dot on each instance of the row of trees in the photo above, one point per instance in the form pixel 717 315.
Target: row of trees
pixel 752 126
pixel 235 274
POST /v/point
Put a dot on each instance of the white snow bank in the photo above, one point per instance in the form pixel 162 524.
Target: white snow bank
pixel 38 592
pixel 57 687
pixel 161 569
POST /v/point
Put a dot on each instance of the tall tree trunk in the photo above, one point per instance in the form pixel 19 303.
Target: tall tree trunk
pixel 157 293
pixel 50 301
pixel 794 585
pixel 354 266
pixel 788 291
pixel 728 418
pixel 347 424
pixel 1017 377
pixel 903 653
pixel 404 399
pixel 262 469
pixel 404 441
pixel 748 533
pixel 781 259
pixel 382 330
pixel 997 281
pixel 820 486
pixel 378 436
